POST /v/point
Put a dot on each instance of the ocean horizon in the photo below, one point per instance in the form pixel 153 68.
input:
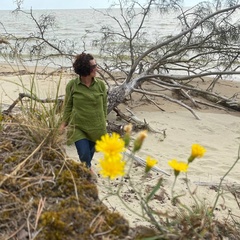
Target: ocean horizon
pixel 83 26
pixel 75 23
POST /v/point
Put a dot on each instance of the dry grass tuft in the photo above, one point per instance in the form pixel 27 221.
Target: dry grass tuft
pixel 43 194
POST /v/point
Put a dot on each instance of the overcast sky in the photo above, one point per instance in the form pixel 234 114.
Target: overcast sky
pixel 70 4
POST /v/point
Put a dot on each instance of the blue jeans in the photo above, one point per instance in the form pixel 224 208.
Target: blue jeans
pixel 85 150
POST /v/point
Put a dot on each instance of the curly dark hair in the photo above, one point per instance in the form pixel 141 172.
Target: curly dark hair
pixel 82 65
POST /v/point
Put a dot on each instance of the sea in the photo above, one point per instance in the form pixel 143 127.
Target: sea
pixel 74 24
pixel 83 26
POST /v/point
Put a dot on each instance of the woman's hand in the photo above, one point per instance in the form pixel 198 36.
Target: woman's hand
pixel 62 128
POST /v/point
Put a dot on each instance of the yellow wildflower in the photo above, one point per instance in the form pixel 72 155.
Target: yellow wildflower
pixel 112 167
pixel 150 163
pixel 178 166
pixel 128 128
pixel 139 140
pixel 110 145
pixel 127 135
pixel 197 152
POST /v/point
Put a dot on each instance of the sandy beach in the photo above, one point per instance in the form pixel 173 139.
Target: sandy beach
pixel 218 133
pixel 217 130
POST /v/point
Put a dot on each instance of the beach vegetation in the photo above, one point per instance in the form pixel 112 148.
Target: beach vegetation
pixel 204 45
pixel 185 220
pixel 43 193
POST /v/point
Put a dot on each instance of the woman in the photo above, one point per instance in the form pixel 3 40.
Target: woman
pixel 85 108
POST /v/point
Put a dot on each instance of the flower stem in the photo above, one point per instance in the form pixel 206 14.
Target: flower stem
pixel 175 179
pixel 220 184
pixel 188 188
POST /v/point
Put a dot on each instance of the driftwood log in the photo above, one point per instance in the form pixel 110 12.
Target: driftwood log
pixel 112 127
pixel 143 163
pixel 59 102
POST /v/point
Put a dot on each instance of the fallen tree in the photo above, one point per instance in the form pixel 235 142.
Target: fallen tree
pixel 206 46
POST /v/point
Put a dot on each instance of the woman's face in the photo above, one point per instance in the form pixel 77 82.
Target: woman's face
pixel 93 65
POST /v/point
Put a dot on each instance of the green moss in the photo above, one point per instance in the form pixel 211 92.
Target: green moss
pixel 50 194
pixel 69 220
pixel 11 159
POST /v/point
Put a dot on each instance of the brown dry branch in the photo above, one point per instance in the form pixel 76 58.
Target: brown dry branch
pixel 171 100
pixel 112 127
pixel 137 123
pixel 231 102
pixel 3 41
pixel 32 97
pixel 185 94
pixel 39 211
pixel 143 163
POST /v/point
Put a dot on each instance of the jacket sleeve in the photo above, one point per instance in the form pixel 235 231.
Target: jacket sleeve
pixel 68 103
pixel 105 99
